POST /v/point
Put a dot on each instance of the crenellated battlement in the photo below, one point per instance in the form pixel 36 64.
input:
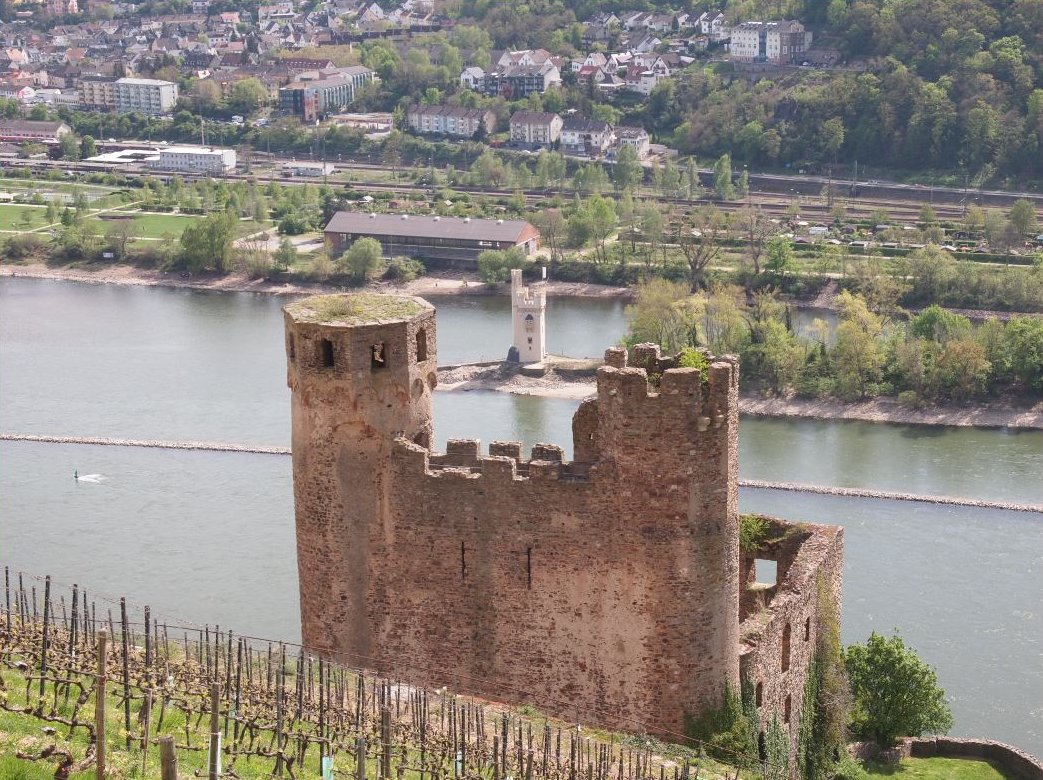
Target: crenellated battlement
pixel 463 459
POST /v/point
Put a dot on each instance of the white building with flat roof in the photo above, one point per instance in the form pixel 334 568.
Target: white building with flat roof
pixel 145 96
pixel 194 159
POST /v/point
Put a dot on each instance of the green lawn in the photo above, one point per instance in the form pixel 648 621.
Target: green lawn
pixel 939 769
pixel 152 225
pixel 15 217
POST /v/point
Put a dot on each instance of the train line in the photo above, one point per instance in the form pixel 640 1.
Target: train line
pixel 811 208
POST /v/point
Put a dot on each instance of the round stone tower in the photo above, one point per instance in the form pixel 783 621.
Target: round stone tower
pixel 361 370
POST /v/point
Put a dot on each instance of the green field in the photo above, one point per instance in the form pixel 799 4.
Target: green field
pixel 154 226
pixel 150 225
pixel 939 769
pixel 17 218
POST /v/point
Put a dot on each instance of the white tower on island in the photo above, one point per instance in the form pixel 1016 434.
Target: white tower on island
pixel 528 314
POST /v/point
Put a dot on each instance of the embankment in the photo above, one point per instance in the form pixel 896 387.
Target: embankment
pixel 454 283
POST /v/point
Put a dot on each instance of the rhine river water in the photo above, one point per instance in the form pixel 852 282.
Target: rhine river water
pixel 208 537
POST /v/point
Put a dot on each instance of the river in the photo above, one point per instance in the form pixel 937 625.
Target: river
pixel 208 537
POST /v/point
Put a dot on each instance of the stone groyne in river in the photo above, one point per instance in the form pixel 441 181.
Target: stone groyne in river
pixel 748 483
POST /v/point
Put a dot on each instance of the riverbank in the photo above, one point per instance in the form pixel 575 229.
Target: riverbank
pixel 554 384
pixel 440 283
pixel 998 414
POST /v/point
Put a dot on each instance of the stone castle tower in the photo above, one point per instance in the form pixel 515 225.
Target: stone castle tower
pixel 361 370
pixel 528 319
pixel 605 589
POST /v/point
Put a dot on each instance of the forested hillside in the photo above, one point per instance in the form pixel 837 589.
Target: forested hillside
pixel 948 85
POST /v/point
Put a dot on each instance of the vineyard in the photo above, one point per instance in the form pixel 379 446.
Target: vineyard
pixel 169 701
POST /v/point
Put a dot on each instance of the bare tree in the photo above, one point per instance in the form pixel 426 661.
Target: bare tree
pixel 700 242
pixel 756 230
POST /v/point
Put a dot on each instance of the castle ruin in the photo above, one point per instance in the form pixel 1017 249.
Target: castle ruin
pixel 610 589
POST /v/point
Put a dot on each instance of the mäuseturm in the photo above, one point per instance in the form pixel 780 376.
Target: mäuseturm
pixel 610 588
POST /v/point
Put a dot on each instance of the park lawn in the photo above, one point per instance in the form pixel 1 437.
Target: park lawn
pixel 13 217
pixel 939 769
pixel 152 225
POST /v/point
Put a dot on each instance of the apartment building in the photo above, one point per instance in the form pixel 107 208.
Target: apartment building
pixel 780 42
pixel 534 128
pixel 450 120
pixel 145 96
pixel 317 93
pixel 98 93
pixel 585 136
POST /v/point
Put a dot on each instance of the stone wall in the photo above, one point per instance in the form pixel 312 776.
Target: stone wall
pixel 1014 761
pixel 781 624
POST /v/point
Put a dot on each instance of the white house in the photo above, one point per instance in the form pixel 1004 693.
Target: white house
pixel 473 78
pixel 634 137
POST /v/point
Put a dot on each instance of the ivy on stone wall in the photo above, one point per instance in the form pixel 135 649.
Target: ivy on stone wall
pixel 823 725
pixel 725 733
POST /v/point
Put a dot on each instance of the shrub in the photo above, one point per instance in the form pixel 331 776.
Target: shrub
pixel 753 530
pixel 495 266
pixel 690 357
pixel 22 246
pixel 404 269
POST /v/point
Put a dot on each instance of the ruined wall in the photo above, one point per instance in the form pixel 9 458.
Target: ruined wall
pixel 605 590
pixel 782 624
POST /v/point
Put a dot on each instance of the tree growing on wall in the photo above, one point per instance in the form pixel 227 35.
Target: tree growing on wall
pixel 895 693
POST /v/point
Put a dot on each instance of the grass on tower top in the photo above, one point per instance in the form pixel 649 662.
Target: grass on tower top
pixel 355 308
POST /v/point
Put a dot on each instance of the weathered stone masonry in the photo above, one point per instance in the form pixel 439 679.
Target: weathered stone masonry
pixel 605 589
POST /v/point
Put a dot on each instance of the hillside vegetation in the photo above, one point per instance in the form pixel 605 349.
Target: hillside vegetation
pixel 951 86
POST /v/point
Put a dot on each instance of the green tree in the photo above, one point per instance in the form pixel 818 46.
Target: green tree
pixel 88 147
pixel 931 271
pixel 857 352
pixel 364 260
pixel 69 145
pixel 628 171
pixel 495 265
pixel 778 256
pixel 937 324
pixel 895 694
pixel 664 313
pixel 1022 216
pixel 285 256
pixel 601 216
pixel 1023 352
pixel 207 244
pixel 590 178
pixel 247 96
pixel 723 187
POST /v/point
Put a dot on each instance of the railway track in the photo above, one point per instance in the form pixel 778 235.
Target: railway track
pixel 812 208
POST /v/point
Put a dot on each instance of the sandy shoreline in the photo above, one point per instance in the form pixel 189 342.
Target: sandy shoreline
pixel 454 283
